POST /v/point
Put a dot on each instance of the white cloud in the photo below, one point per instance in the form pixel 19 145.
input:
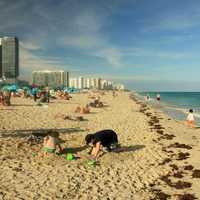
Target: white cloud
pixel 147 52
pixel 30 45
pixel 29 61
pixel 111 55
pixel 82 41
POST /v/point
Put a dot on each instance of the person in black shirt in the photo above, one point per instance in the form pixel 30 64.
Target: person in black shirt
pixel 101 139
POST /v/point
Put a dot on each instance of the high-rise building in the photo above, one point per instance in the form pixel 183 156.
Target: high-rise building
pixel 66 79
pixel 73 82
pixel 80 82
pixel 85 83
pixel 50 78
pixel 106 85
pixel 10 57
pixel 95 83
pixel 88 83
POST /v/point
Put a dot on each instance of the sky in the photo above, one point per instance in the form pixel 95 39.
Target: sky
pixel 148 45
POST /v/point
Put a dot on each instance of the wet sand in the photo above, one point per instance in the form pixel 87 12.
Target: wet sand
pixel 159 158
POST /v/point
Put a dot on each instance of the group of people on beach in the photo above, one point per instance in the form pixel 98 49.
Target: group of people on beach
pixel 190 120
pixel 147 97
pixel 41 95
pixel 104 140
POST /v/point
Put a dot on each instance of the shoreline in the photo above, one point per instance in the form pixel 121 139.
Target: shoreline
pixel 156 150
pixel 173 110
pixel 178 154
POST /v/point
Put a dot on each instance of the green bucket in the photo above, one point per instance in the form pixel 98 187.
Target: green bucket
pixel 69 156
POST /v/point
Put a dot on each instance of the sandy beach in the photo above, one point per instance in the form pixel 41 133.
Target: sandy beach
pixel 158 159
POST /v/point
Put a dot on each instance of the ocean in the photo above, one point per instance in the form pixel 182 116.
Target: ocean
pixel 176 104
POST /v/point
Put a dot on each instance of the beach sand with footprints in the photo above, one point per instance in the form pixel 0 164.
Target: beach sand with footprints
pixel 158 158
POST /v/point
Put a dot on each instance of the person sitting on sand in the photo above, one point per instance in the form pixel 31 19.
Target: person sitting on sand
pixel 82 109
pixel 6 98
pixel 78 109
pixel 104 139
pixel 51 141
pixel 190 119
pixel 85 110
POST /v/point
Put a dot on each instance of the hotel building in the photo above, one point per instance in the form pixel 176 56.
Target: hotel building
pixel 51 78
pixel 9 58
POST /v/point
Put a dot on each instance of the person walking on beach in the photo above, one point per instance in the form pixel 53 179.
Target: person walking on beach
pixel 190 119
pixel 158 97
pixel 34 93
pixel 101 140
pixel 147 97
pixel 47 93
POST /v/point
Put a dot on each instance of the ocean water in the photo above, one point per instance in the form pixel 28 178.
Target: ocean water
pixel 176 104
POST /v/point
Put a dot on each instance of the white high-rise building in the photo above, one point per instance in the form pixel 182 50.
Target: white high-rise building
pixel 73 82
pixel 92 82
pixel 106 85
pixel 103 84
pixel 80 82
pixel 51 78
pixel 88 83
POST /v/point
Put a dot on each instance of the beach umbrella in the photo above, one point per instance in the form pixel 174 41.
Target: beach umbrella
pixel 12 88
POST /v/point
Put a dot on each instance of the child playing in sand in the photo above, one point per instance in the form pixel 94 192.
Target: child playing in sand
pixel 101 139
pixel 51 141
pixel 190 119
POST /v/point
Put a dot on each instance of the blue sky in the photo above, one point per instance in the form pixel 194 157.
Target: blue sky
pixel 149 45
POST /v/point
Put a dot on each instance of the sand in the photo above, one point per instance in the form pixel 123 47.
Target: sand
pixel 159 158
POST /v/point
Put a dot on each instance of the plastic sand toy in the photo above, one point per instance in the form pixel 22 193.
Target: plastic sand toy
pixel 34 154
pixel 92 163
pixel 70 156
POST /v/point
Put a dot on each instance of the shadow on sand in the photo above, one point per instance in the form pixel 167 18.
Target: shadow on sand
pixel 74 149
pixel 36 132
pixel 25 105
pixel 131 148
pixel 121 149
pixel 8 109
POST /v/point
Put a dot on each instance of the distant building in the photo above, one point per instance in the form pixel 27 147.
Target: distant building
pixel 80 82
pixel 85 82
pixel 95 83
pixel 106 85
pixel 51 78
pixel 73 82
pixel 9 58
pixel 66 79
